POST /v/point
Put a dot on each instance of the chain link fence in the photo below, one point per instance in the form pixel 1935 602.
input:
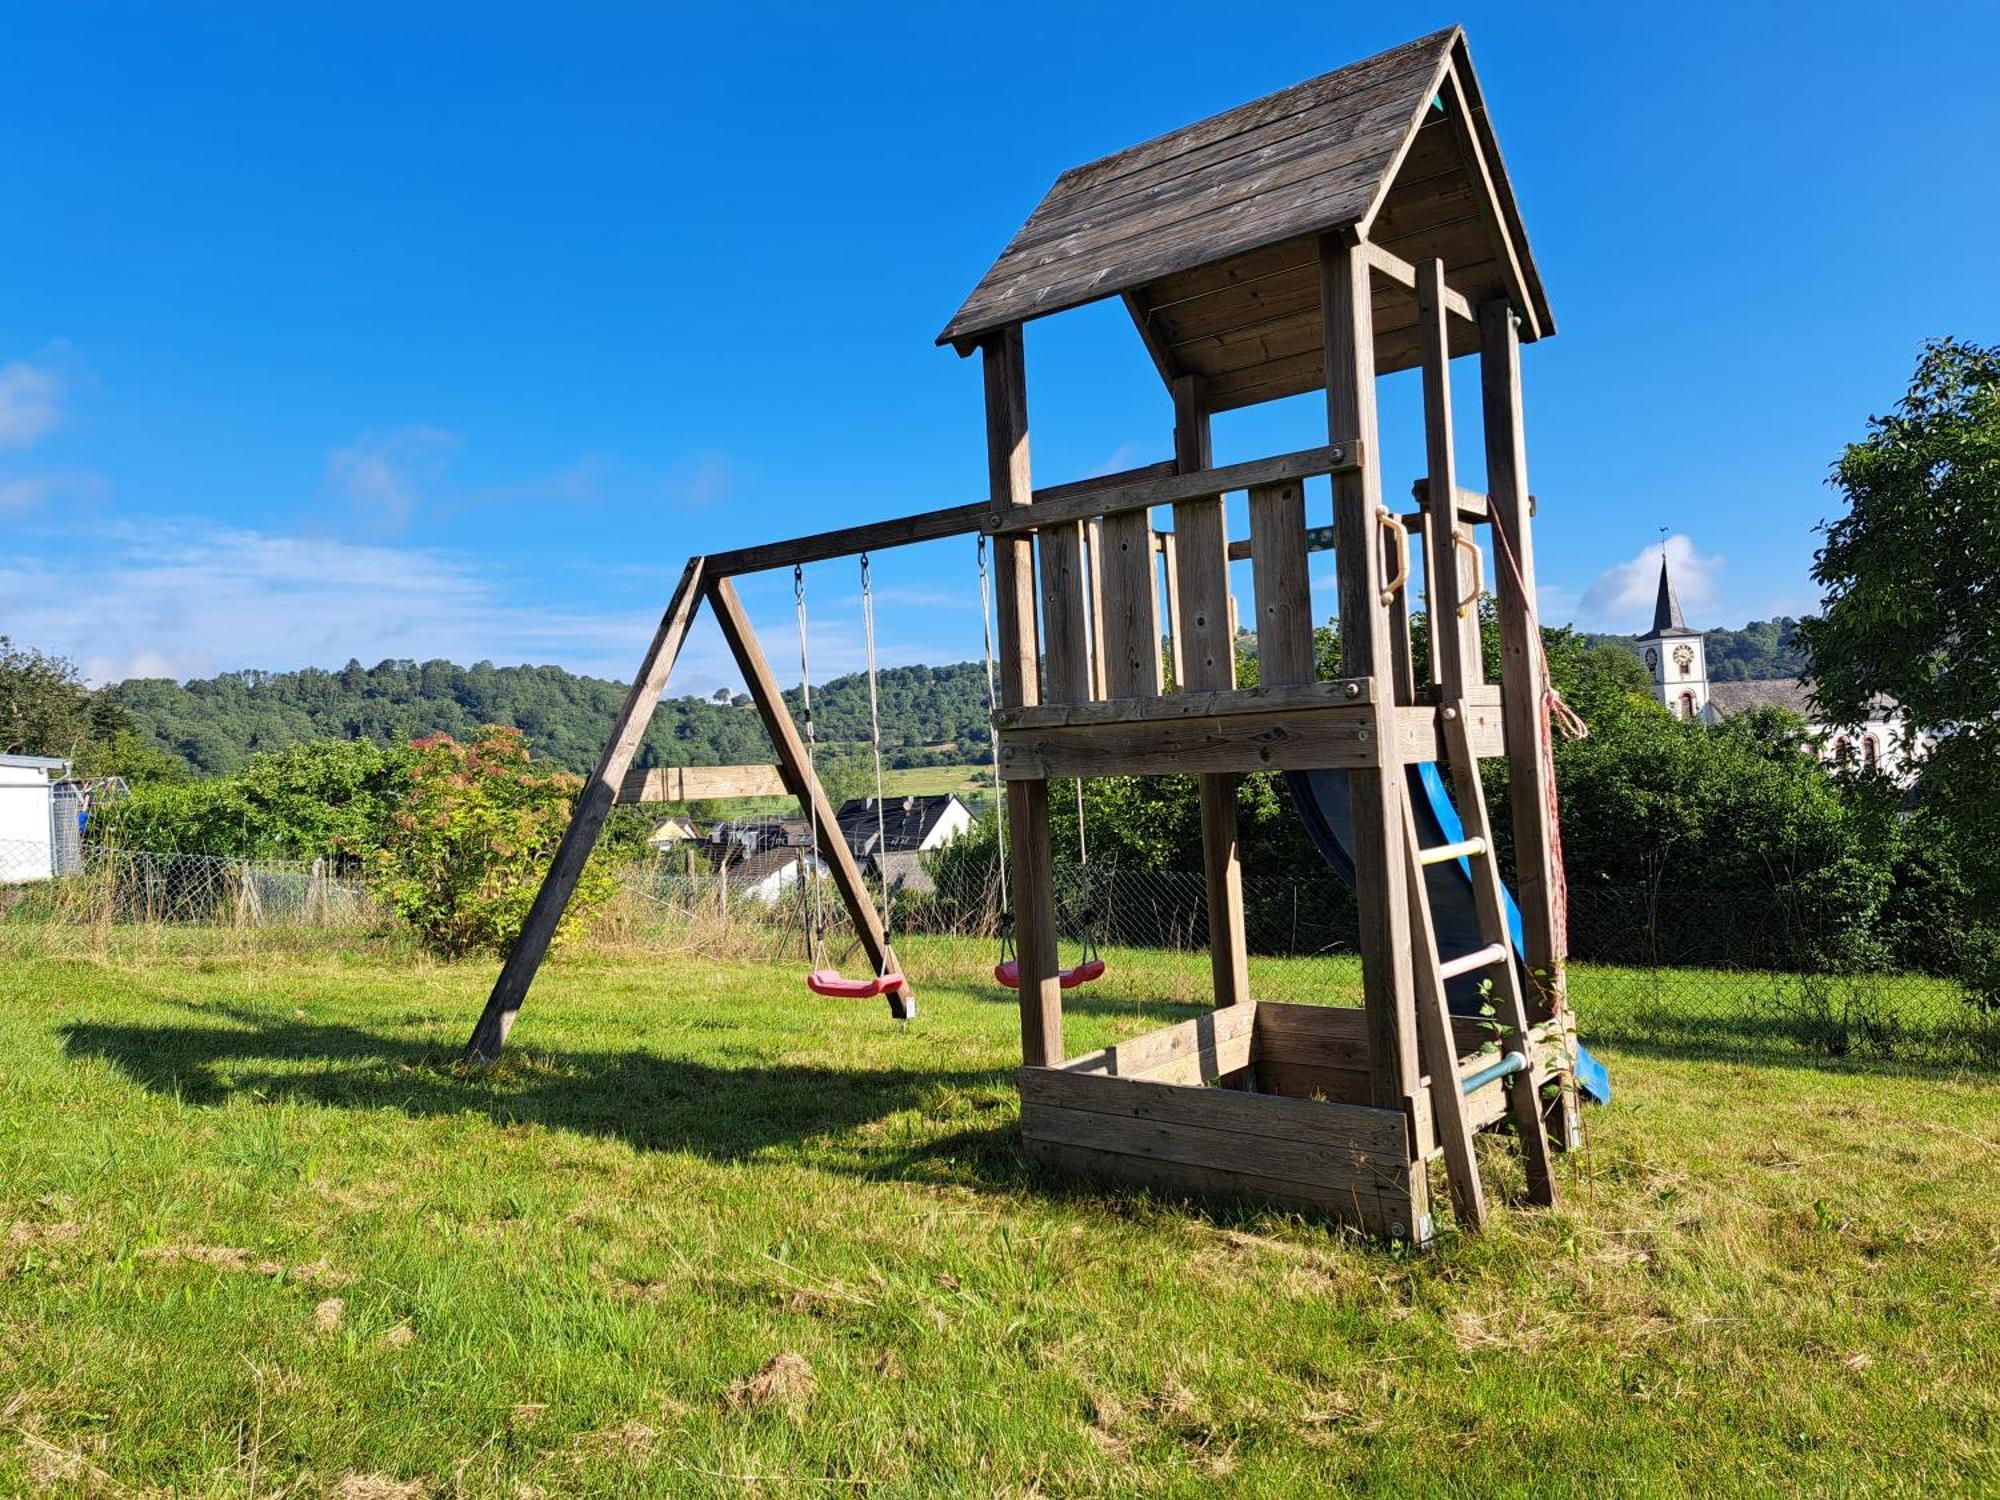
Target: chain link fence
pixel 1717 974
pixel 136 898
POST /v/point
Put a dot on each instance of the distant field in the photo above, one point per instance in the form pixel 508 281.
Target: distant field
pixel 702 1234
pixel 932 781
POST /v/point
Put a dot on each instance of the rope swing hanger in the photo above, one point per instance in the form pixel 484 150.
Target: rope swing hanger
pixel 824 979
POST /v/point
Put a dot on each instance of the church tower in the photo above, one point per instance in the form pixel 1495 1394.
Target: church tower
pixel 1675 655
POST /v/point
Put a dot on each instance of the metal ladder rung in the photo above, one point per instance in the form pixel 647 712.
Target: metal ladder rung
pixel 1463 849
pixel 1480 958
pixel 1504 1066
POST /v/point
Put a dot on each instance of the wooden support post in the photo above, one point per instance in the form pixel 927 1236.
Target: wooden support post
pixel 803 784
pixel 1455 650
pixel 1381 882
pixel 1028 836
pixel 1531 782
pixel 593 805
pixel 1205 658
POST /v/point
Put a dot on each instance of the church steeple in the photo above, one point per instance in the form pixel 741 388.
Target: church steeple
pixel 1675 655
pixel 1667 612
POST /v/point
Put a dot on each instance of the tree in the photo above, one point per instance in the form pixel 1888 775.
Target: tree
pixel 44 706
pixel 1912 580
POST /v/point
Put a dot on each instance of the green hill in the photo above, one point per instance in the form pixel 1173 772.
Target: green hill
pixel 930 715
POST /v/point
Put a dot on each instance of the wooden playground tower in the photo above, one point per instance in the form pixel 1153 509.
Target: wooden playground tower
pixel 1350 227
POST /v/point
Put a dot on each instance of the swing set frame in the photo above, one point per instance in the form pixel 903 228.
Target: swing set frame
pixel 1354 225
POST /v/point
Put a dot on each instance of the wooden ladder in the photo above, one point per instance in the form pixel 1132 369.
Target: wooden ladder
pixel 1451 1086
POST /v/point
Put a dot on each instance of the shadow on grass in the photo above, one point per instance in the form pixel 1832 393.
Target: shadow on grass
pixel 650 1101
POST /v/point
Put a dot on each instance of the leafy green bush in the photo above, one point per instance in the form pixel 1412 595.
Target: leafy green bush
pixel 461 857
pixel 325 799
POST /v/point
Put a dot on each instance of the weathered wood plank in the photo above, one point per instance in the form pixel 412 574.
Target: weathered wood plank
pixel 904 531
pixel 1144 1056
pixel 1350 1139
pixel 1281 585
pixel 700 784
pixel 1334 737
pixel 1009 486
pixel 1130 585
pixel 1302 1080
pixel 1420 732
pixel 1066 675
pixel 586 821
pixel 1383 1212
pixel 803 783
pixel 1142 494
pixel 1306 697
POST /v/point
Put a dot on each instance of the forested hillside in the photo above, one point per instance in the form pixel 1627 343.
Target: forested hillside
pixel 1760 651
pixel 929 714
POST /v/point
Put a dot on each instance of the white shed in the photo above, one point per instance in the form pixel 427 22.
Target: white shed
pixel 27 817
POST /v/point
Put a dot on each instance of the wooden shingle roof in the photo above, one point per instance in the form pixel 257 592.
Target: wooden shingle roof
pixel 1211 232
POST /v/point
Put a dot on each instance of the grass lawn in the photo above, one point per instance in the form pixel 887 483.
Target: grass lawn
pixel 701 1233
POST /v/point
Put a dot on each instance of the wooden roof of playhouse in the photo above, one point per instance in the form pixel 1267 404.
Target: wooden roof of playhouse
pixel 1210 233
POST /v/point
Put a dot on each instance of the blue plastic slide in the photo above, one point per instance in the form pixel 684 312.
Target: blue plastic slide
pixel 1323 803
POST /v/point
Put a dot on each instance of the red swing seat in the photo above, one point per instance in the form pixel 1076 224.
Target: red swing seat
pixel 830 983
pixel 1008 972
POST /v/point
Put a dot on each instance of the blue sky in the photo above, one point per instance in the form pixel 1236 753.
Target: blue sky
pixel 334 331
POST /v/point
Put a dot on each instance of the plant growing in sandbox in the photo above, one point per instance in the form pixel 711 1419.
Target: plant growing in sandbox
pixel 461 857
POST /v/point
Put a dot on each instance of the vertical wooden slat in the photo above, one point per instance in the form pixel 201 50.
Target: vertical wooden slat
pixel 1454 638
pixel 1131 608
pixel 1532 780
pixel 1028 840
pixel 586 821
pixel 1066 676
pixel 1282 585
pixel 1170 572
pixel 1381 893
pixel 1205 654
pixel 1094 536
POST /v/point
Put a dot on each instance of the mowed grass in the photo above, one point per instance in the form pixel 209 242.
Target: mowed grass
pixel 700 1233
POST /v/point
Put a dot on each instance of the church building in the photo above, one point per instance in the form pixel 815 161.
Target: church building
pixel 1677 658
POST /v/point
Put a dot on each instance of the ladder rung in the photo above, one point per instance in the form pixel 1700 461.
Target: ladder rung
pixel 1463 849
pixel 1481 958
pixel 1503 1067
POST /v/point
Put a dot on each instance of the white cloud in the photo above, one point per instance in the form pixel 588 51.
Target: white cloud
pixel 163 599
pixel 383 477
pixel 30 403
pixel 1622 598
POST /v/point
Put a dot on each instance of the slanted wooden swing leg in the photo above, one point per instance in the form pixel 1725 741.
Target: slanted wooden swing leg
pixel 801 783
pixel 593 806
